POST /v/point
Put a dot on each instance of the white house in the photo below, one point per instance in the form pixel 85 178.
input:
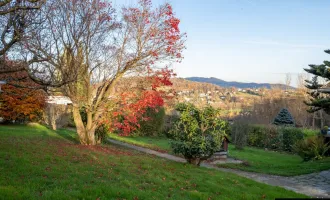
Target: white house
pixel 60 100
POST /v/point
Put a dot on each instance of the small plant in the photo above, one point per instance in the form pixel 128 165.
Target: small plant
pixel 312 148
pixel 101 133
pixel 324 131
pixel 198 133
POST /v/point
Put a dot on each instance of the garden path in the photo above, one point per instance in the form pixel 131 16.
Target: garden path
pixel 315 184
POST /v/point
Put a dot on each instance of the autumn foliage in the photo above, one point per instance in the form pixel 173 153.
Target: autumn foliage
pixel 103 46
pixel 19 98
pixel 134 104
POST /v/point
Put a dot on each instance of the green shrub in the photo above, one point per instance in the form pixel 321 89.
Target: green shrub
pixel 273 137
pixel 290 136
pixel 154 125
pixel 170 120
pixel 239 133
pixel 101 133
pixel 256 136
pixel 311 148
pixel 197 134
pixel 310 132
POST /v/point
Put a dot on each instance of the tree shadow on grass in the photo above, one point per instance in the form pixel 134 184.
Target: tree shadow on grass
pixel 68 134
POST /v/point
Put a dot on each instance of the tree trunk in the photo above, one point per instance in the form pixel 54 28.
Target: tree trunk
pixel 86 133
pixel 51 116
pixel 322 119
pixel 194 161
pixel 314 120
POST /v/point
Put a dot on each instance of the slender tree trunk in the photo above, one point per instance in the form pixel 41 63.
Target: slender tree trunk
pixel 86 133
pixel 314 114
pixel 322 119
pixel 52 116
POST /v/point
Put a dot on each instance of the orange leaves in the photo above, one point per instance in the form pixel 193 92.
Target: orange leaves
pixel 21 102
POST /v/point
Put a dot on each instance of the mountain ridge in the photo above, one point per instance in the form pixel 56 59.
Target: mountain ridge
pixel 243 85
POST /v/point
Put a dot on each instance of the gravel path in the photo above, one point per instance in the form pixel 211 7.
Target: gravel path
pixel 315 185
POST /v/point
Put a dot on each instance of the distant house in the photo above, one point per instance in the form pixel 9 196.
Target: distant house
pixel 187 99
pixel 59 100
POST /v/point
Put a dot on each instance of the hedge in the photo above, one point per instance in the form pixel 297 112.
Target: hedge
pixel 274 137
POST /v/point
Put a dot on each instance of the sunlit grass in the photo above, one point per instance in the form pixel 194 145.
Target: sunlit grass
pixel 269 162
pixel 37 163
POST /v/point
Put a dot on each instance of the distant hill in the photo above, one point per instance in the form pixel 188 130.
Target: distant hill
pixel 223 83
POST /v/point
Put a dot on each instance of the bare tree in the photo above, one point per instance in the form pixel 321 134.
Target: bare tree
pixel 85 41
pixel 287 80
pixel 15 16
pixel 301 83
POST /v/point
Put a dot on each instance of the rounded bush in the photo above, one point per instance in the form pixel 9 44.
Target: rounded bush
pixel 197 133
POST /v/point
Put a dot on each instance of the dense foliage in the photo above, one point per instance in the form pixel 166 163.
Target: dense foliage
pixel 198 133
pixel 20 99
pixel 136 106
pixel 273 137
pixel 284 118
pixel 319 96
pixel 312 148
pixel 154 125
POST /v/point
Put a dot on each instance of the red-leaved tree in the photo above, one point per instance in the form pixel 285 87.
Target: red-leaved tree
pixel 134 103
pixel 89 41
pixel 19 98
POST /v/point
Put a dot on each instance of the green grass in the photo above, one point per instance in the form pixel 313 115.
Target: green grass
pixel 156 143
pixel 259 160
pixel 270 162
pixel 36 163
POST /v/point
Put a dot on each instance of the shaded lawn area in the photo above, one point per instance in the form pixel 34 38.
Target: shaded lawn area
pixel 36 163
pixel 156 143
pixel 276 163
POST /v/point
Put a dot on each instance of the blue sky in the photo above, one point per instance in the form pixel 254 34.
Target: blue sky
pixel 252 40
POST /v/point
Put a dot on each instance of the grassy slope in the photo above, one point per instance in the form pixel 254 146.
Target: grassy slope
pixel 260 161
pixel 274 162
pixel 36 163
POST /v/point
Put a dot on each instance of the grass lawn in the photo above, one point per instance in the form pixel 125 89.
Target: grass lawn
pixel 36 163
pixel 259 160
pixel 270 162
pixel 156 143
